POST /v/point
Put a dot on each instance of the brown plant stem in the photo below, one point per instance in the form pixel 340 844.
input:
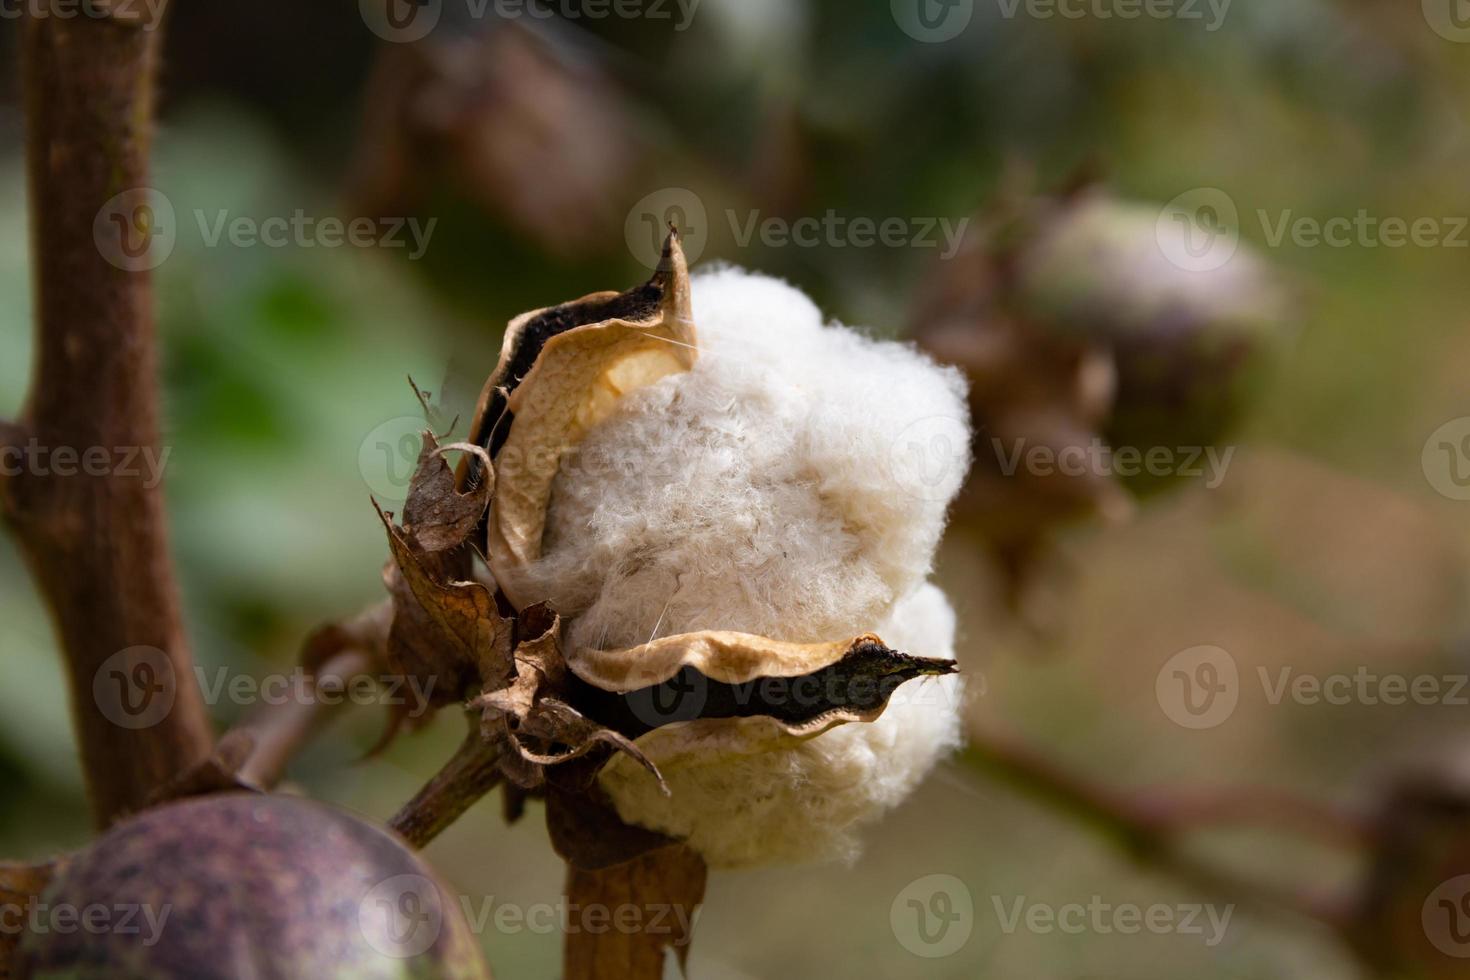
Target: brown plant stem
pixel 656 895
pixel 1150 831
pixel 97 544
pixel 473 771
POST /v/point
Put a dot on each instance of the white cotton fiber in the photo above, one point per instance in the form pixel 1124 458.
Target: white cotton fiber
pixel 792 485
pixel 805 800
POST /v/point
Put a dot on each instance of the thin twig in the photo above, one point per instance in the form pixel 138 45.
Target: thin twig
pixel 1151 832
pixel 96 540
pixel 473 771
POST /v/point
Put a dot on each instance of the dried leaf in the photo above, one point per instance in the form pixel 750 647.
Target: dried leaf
pixel 561 371
pixel 446 633
pixel 538 728
pixel 436 516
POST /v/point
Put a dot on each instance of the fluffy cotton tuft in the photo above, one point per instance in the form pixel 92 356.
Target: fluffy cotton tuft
pixel 793 485
pixel 806 800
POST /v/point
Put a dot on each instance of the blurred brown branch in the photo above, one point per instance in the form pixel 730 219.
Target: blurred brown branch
pixel 97 544
pixel 1150 829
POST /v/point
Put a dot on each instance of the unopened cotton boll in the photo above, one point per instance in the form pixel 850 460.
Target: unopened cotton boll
pixel 793 484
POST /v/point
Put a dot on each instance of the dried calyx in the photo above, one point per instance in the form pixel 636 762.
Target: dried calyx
pixel 554 712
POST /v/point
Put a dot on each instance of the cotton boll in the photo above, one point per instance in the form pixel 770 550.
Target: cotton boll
pixel 801 800
pixel 765 491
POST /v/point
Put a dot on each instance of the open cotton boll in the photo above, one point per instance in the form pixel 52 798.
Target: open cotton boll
pixel 773 489
pixel 802 800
